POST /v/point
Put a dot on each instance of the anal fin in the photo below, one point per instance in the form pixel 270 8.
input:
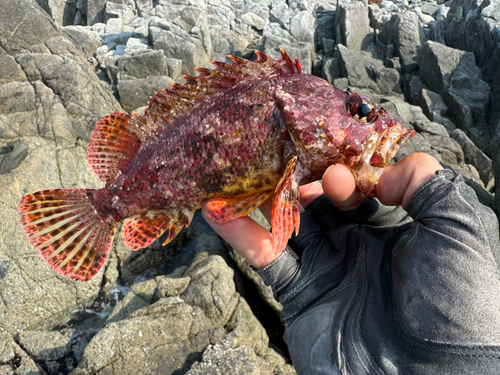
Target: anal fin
pixel 143 230
pixel 285 214
pixel 223 210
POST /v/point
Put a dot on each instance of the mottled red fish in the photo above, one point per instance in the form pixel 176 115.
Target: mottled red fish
pixel 234 136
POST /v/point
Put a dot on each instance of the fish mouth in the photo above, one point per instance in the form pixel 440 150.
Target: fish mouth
pixel 380 149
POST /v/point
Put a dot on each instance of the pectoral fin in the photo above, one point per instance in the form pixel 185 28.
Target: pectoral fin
pixel 285 215
pixel 223 210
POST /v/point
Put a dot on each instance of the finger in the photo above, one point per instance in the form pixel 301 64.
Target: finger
pixel 247 237
pixel 339 185
pixel 310 192
pixel 399 182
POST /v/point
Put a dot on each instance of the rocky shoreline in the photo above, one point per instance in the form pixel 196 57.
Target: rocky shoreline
pixel 193 306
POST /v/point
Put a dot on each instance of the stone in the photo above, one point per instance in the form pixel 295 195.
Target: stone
pixel 473 26
pixel 135 93
pixel 253 20
pixel 14 360
pixel 433 105
pixel 362 70
pixel 47 114
pixel 95 11
pixel 187 38
pixel 141 65
pixel 454 75
pixel 430 8
pixel 405 32
pixel 352 25
pixel 473 155
pixel 330 69
pixel 170 334
pixel 280 13
pixel 174 68
pixel 302 27
pixel 62 12
pixel 87 39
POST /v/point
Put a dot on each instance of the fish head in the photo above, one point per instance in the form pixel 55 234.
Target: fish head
pixel 329 125
pixel 372 138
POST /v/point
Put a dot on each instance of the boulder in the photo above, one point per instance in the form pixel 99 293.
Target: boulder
pixel 473 26
pixel 181 32
pixel 193 314
pixel 135 93
pixel 454 75
pixel 362 70
pixel 352 25
pixel 404 31
pixel 473 155
pixel 50 101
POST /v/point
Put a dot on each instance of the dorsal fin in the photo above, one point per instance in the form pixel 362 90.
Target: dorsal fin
pixel 118 136
pixel 113 146
pixel 170 103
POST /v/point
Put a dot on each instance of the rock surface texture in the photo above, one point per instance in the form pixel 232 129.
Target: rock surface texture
pixel 193 307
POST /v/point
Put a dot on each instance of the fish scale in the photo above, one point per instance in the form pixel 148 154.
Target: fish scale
pixel 230 138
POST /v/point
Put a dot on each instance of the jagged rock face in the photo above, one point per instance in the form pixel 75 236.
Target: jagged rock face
pixel 65 64
pixel 50 100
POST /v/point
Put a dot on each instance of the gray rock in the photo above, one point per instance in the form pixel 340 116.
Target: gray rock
pixel 174 68
pixel 164 336
pixel 87 39
pixel 14 360
pixel 454 75
pixel 405 32
pixel 473 155
pixel 135 93
pixel 352 25
pixel 50 101
pixel 330 69
pixel 50 349
pixel 276 38
pixel 433 105
pixel 495 156
pixel 280 13
pixel 362 70
pixel 62 12
pixel 141 65
pixel 253 20
pixel 473 26
pixel 186 38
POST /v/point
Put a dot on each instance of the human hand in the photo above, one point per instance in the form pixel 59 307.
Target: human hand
pixel 374 289
pixel 396 186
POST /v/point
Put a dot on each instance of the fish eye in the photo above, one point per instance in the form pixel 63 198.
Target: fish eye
pixel 361 108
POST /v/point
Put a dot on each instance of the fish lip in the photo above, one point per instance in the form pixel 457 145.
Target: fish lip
pixel 381 148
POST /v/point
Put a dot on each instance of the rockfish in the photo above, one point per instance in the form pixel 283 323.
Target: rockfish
pixel 233 136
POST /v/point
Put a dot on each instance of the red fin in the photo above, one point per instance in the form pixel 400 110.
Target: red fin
pixel 170 103
pixel 142 231
pixel 113 146
pixel 285 215
pixel 223 210
pixel 66 230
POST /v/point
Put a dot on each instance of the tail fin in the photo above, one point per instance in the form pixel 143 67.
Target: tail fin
pixel 67 231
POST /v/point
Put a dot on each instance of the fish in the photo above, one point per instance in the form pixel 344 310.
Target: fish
pixel 231 137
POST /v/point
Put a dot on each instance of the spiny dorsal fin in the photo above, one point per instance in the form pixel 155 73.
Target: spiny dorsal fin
pixel 113 146
pixel 170 103
pixel 117 137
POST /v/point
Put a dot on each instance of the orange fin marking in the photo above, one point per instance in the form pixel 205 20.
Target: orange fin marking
pixel 285 214
pixel 223 210
pixel 142 231
pixel 113 146
pixel 67 231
